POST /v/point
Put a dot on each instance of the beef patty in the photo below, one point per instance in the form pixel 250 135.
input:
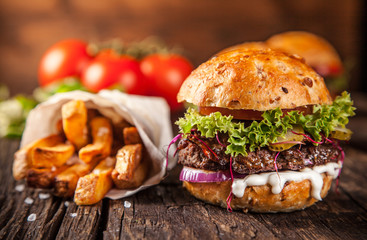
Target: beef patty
pixel 193 151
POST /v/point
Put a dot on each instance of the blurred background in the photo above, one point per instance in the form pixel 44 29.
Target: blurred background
pixel 201 28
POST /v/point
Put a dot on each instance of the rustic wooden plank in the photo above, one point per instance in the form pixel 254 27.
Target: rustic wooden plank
pixel 10 210
pixel 45 211
pixel 16 219
pixel 334 218
pixel 54 220
pixel 114 219
pixel 353 179
pixel 237 225
pixel 169 212
pixel 81 222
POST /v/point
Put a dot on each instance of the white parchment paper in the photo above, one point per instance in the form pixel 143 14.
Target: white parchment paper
pixel 150 115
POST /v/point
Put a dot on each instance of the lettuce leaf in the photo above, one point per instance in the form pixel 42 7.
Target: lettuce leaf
pixel 274 124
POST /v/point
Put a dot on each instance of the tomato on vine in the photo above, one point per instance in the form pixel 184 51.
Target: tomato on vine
pixel 166 73
pixel 64 59
pixel 110 70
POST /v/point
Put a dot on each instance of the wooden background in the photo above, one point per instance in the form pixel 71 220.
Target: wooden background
pixel 28 28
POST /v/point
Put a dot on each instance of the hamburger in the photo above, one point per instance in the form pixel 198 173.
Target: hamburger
pixel 263 134
pixel 317 52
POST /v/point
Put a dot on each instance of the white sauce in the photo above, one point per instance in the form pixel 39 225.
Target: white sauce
pixel 277 180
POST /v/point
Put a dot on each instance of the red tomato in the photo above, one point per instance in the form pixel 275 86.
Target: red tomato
pixel 109 70
pixel 64 59
pixel 166 74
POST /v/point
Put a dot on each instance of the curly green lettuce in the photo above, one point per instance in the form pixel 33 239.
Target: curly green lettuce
pixel 325 118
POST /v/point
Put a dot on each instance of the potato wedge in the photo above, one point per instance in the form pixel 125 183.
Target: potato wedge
pixel 102 140
pixel 66 181
pixel 94 186
pixel 130 170
pixel 127 160
pixel 55 156
pixel 137 179
pixel 22 158
pixel 74 122
pixel 44 177
pixel 131 136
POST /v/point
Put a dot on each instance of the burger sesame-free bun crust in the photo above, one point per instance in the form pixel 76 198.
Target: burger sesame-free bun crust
pixel 317 52
pixel 256 80
pixel 294 196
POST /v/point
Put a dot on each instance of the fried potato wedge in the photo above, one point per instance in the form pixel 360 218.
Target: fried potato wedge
pixel 66 181
pixel 93 187
pixel 74 122
pixel 44 177
pixel 101 130
pixel 55 156
pixel 22 158
pixel 137 179
pixel 130 170
pixel 127 160
pixel 131 136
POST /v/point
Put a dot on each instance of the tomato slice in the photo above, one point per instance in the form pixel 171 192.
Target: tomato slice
pixel 249 114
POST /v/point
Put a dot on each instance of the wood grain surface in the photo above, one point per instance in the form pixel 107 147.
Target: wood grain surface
pixel 167 211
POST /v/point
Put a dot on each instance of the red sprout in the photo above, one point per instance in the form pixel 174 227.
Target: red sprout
pixel 228 201
pixel 216 156
pixel 216 135
pixel 230 167
pixel 305 160
pixel 177 137
pixel 340 170
pixel 328 140
pixel 313 141
pixel 275 162
pixel 337 146
pixel 174 154
pixel 230 196
pixel 276 167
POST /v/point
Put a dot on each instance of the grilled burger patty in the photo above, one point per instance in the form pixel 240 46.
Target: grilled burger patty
pixel 194 153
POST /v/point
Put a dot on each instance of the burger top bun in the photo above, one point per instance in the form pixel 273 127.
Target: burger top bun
pixel 254 79
pixel 317 52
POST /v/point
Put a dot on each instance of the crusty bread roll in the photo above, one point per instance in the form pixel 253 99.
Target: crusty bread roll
pixel 294 196
pixel 318 52
pixel 254 79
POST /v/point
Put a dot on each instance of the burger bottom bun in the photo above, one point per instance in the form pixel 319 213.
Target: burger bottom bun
pixel 294 196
